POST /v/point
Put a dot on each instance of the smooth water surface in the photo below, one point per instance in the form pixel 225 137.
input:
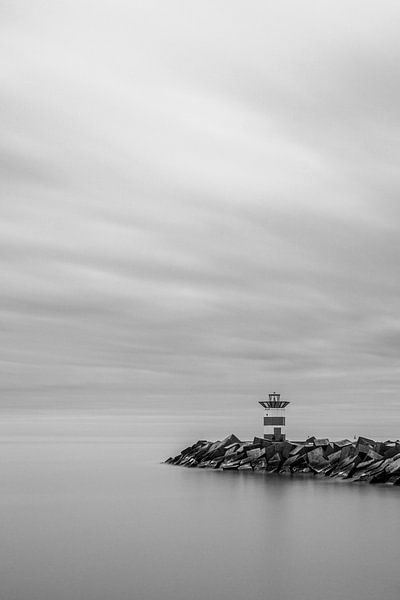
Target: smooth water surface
pixel 105 521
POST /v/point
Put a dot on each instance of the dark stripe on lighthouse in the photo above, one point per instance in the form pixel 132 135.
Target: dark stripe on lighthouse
pixel 274 420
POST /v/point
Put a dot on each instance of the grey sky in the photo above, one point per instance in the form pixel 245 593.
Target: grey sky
pixel 200 203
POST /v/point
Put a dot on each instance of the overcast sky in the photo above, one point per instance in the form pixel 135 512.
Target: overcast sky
pixel 200 205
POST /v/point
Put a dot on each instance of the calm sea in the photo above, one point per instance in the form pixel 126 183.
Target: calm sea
pixel 101 519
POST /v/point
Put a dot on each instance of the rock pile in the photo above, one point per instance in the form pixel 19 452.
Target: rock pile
pixel 363 460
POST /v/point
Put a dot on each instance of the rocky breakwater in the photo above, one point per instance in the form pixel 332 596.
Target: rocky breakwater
pixel 362 460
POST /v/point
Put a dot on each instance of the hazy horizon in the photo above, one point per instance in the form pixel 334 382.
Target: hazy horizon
pixel 200 206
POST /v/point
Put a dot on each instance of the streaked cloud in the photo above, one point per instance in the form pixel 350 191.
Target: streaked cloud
pixel 199 204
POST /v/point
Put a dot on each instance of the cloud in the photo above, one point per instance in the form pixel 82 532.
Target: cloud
pixel 200 205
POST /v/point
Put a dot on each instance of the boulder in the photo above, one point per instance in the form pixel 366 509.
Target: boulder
pixel 365 464
pixel 258 441
pixel 246 447
pixel 342 467
pixel 273 463
pixel 270 451
pixel 215 464
pixel 329 449
pixel 371 454
pixel 321 442
pixel 218 448
pixel 393 480
pixel 347 451
pixel 365 473
pixel 246 461
pixel 294 463
pixel 364 445
pixel 259 465
pixel 380 477
pixel 342 444
pixel 350 470
pixel 246 467
pixel 261 442
pixel 230 464
pixel 230 439
pixel 298 449
pixel 334 457
pixel 285 449
pixel 292 460
pixel 232 450
pixel 393 467
pixel 316 459
pixel 390 451
pixel 202 451
pixel 255 453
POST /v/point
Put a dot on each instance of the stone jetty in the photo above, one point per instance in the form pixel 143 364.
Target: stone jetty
pixel 364 460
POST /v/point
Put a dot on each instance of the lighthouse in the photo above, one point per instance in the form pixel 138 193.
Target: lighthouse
pixel 274 418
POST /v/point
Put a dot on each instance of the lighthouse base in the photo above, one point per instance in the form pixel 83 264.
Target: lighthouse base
pixel 277 436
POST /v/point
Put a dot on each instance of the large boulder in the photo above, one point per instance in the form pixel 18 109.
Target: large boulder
pixel 285 449
pixel 334 457
pixel 343 466
pixel 232 449
pixel 261 442
pixel 342 444
pixel 364 445
pixel 372 455
pixel 274 462
pixel 393 468
pixel 316 459
pixel 347 452
pixel 298 449
pixel 349 471
pixel 255 453
pixel 390 449
pixel 380 477
pixel 230 439
pixel 329 449
pixel 270 451
pixel 294 463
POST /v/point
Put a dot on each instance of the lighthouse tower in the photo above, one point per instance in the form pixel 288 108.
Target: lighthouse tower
pixel 274 418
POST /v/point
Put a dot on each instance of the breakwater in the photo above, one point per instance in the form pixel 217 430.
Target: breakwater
pixel 362 460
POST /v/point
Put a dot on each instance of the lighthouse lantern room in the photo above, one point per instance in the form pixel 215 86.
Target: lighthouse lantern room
pixel 274 418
